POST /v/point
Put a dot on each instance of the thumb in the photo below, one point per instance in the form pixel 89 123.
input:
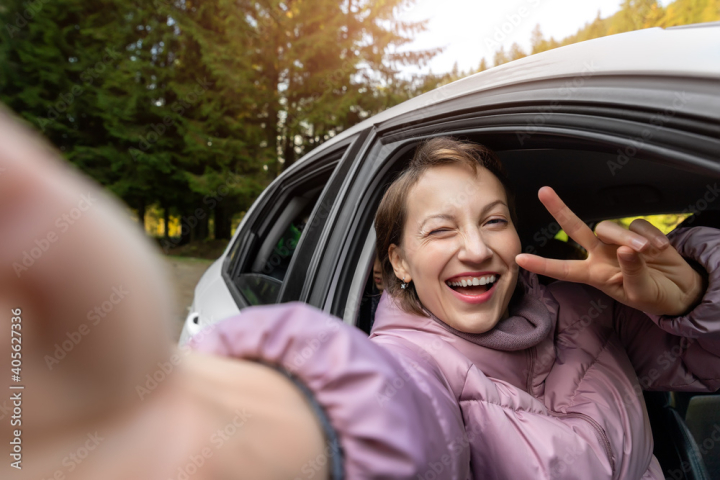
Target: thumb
pixel 636 278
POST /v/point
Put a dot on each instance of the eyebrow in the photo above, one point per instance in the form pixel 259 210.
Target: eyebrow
pixel 446 216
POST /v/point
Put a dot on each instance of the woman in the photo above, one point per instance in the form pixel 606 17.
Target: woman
pixel 113 400
pixel 545 380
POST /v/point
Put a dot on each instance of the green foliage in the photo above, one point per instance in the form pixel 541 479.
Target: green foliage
pixel 52 54
pixel 665 223
pixel 633 15
pixel 197 106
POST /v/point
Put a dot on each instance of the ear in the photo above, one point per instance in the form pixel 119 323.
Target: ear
pixel 399 264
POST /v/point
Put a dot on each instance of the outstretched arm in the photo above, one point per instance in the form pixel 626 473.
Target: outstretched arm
pixel 103 394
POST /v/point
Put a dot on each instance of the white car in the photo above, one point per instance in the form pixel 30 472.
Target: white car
pixel 619 126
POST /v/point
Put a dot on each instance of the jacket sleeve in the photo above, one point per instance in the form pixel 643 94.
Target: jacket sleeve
pixel 679 353
pixel 381 406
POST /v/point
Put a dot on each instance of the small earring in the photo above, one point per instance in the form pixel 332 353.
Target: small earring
pixel 404 285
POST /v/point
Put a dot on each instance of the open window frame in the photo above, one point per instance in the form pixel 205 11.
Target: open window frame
pixel 314 180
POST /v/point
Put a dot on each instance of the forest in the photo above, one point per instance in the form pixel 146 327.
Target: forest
pixel 187 110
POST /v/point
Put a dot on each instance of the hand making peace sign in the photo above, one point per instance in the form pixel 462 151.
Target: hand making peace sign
pixel 637 267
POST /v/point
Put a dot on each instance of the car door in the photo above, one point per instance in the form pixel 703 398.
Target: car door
pixel 265 262
pixel 269 263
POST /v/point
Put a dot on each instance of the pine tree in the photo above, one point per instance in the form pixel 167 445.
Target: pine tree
pixel 196 106
pixel 50 61
pixel 326 65
pixel 217 82
pixel 73 71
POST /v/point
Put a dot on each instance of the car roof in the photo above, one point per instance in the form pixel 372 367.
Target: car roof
pixel 686 51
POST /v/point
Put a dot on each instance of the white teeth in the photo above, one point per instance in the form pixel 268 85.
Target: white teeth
pixel 474 281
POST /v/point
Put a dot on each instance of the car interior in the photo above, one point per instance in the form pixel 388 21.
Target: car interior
pixel 683 423
pixel 260 263
pixel 280 234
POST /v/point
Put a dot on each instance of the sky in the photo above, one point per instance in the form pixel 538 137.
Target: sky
pixel 472 29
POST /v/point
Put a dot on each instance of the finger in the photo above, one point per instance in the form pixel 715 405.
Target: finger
pixel 569 270
pixel 568 221
pixel 636 279
pixel 613 234
pixel 651 232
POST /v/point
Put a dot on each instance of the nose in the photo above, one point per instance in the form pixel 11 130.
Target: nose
pixel 474 249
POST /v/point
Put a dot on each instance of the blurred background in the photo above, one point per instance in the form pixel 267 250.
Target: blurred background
pixel 187 110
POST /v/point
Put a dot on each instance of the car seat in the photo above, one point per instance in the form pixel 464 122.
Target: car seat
pixel 675 445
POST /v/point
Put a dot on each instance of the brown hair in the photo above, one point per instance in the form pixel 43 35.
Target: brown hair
pixel 392 212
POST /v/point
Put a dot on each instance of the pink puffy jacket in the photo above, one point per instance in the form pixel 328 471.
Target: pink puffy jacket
pixel 419 402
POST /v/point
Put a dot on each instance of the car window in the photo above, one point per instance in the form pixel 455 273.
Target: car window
pixel 265 256
pixel 261 284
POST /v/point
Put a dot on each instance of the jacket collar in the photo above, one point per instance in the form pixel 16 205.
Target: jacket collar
pixel 504 355
pixel 528 323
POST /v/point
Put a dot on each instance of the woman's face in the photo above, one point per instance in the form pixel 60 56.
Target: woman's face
pixel 459 232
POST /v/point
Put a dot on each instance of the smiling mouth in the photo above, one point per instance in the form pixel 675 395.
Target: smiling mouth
pixel 473 285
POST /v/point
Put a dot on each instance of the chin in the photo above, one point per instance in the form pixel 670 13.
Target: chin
pixel 477 325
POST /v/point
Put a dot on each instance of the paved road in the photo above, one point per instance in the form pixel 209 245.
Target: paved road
pixel 186 273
